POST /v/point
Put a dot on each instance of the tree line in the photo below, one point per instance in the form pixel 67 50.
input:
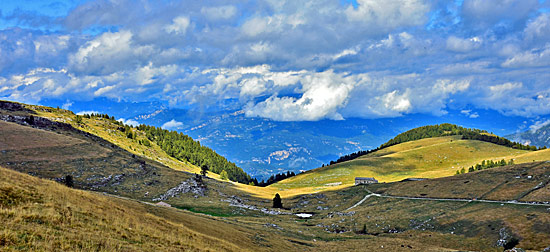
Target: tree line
pixel 181 147
pixel 485 164
pixel 275 178
pixel 184 148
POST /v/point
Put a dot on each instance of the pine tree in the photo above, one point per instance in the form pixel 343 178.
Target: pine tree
pixel 69 181
pixel 204 169
pixel 277 203
pixel 223 175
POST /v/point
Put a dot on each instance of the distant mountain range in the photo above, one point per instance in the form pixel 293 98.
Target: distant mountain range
pixel 538 136
pixel 263 147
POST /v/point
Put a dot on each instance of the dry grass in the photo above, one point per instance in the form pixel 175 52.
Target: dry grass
pixel 42 215
pixel 499 183
pixel 426 158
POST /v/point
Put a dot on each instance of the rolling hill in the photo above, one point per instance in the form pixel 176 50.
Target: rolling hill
pixel 424 158
pixel 430 215
pixel 429 157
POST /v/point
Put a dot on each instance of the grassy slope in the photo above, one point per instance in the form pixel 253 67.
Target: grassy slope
pixel 513 182
pixel 430 158
pixel 37 214
pixel 454 215
pixel 465 226
pixel 108 131
pixel 426 158
pixel 41 215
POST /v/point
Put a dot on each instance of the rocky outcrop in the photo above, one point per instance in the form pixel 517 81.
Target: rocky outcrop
pixel 189 186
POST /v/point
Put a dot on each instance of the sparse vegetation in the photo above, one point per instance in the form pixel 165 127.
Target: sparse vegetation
pixel 486 164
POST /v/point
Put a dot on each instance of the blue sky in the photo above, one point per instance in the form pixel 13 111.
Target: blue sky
pixel 284 60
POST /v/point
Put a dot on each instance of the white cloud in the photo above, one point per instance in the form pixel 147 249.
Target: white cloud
pixel 89 112
pixel 389 14
pixel 533 58
pixel 469 113
pixel 219 12
pixel 463 45
pixel 67 105
pixel 109 53
pixel 538 124
pixel 538 30
pixel 131 122
pixel 323 94
pixel 172 125
pixel 103 90
pixel 179 25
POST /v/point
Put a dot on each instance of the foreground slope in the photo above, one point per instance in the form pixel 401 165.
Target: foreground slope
pixel 37 214
pixel 488 210
pixel 425 158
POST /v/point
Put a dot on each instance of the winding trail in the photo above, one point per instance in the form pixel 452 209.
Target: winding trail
pixel 512 202
pixel 363 200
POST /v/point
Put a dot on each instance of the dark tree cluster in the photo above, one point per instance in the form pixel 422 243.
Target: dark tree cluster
pixel 445 129
pixel 497 140
pixel 184 148
pixel 274 178
pixel 486 164
pixel 352 156
pixel 98 115
pixel 277 202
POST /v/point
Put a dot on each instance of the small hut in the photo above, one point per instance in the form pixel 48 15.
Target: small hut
pixel 365 180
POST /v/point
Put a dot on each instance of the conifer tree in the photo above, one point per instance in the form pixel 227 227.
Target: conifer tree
pixel 277 203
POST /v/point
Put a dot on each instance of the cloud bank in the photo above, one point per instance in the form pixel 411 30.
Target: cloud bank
pixel 287 60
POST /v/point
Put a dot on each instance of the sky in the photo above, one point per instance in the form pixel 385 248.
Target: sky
pixel 295 60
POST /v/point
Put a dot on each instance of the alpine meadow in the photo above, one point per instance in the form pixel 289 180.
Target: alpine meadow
pixel 304 125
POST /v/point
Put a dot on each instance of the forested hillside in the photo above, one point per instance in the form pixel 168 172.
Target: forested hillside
pixel 185 148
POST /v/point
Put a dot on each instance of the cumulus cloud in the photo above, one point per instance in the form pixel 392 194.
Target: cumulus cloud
pixel 463 45
pixel 389 14
pixel 172 125
pixel 279 60
pixel 469 113
pixel 533 58
pixel 492 12
pixel 538 124
pixel 109 53
pixel 179 25
pixel 131 122
pixel 323 94
pixel 538 30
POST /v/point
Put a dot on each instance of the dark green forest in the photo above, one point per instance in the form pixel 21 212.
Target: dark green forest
pixel 184 148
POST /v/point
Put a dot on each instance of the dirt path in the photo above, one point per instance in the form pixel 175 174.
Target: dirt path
pixel 513 202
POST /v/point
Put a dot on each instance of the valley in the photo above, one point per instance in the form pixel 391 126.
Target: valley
pixel 118 180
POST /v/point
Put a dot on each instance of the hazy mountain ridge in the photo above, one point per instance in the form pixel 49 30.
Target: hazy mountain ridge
pixel 255 143
pixel 539 137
